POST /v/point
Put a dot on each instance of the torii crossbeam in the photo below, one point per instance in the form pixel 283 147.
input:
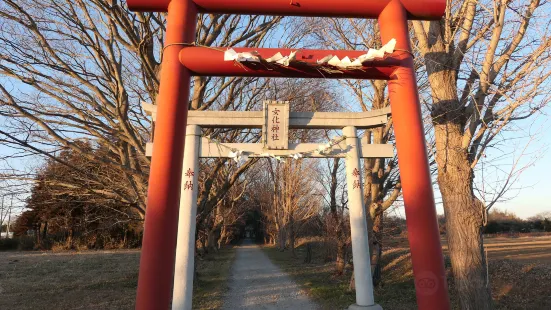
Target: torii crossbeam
pixel 181 60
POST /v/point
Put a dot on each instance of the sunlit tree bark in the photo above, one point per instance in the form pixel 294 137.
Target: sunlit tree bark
pixel 487 64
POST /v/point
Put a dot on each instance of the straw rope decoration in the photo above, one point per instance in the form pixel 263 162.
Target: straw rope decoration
pixel 329 64
pixel 240 155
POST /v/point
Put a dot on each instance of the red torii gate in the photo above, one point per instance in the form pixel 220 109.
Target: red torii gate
pixel 181 60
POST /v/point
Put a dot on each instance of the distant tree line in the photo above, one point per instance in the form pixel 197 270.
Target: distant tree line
pixel 67 209
pixel 507 222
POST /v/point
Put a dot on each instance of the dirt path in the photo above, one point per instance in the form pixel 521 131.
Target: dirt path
pixel 256 283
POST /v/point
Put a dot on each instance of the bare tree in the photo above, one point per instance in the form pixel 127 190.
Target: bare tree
pixel 487 64
pixel 77 70
pixel 293 205
pixel 336 221
pixel 6 215
pixel 381 177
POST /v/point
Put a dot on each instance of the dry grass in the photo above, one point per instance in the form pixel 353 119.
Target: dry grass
pixel 520 271
pixel 86 280
pixel 211 282
pixel 520 276
pixel 524 248
pixel 93 280
pixel 331 290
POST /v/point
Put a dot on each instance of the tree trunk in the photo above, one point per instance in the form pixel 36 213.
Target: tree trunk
pixel 292 235
pixel 308 258
pixel 281 239
pixel 352 284
pixel 45 231
pixel 214 232
pixel 464 213
pixel 69 241
pixel 341 256
pixel 212 239
pixel 37 234
pixel 338 221
pixel 464 220
pixel 204 244
pixel 376 247
pixel 8 225
pixel 223 237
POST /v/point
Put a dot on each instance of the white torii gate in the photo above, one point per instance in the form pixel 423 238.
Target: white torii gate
pixel 349 148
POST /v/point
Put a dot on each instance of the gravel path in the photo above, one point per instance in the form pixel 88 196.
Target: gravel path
pixel 256 283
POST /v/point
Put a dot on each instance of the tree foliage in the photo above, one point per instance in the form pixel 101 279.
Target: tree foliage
pixel 67 206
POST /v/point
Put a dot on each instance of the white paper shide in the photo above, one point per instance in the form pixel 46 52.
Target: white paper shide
pixel 330 60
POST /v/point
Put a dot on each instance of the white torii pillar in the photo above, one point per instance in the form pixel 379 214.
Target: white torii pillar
pixel 358 225
pixel 185 245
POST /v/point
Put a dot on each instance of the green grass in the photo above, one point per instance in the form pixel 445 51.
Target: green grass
pixel 317 278
pixel 212 279
pixel 330 290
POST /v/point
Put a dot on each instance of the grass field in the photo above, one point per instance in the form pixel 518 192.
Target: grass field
pixel 520 270
pixel 86 280
pixel 94 280
pixel 524 249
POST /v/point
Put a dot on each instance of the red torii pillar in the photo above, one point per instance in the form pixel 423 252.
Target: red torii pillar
pixel 181 61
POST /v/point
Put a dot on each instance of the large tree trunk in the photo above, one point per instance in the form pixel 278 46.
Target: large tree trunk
pixel 464 220
pixel 464 213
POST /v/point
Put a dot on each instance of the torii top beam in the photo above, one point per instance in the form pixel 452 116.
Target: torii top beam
pixel 416 9
pixel 203 61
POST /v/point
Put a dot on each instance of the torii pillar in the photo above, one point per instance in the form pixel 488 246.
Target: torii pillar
pixel 181 61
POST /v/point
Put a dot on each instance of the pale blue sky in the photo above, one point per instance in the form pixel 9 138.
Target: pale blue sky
pixel 535 197
pixel 531 194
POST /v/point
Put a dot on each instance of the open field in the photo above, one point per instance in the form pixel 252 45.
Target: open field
pixel 520 270
pixel 94 280
pixel 86 280
pixel 522 249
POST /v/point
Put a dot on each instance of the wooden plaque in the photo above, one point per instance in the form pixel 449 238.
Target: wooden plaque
pixel 276 125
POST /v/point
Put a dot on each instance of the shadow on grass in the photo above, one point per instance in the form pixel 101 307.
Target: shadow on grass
pixel 211 279
pixel 331 290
